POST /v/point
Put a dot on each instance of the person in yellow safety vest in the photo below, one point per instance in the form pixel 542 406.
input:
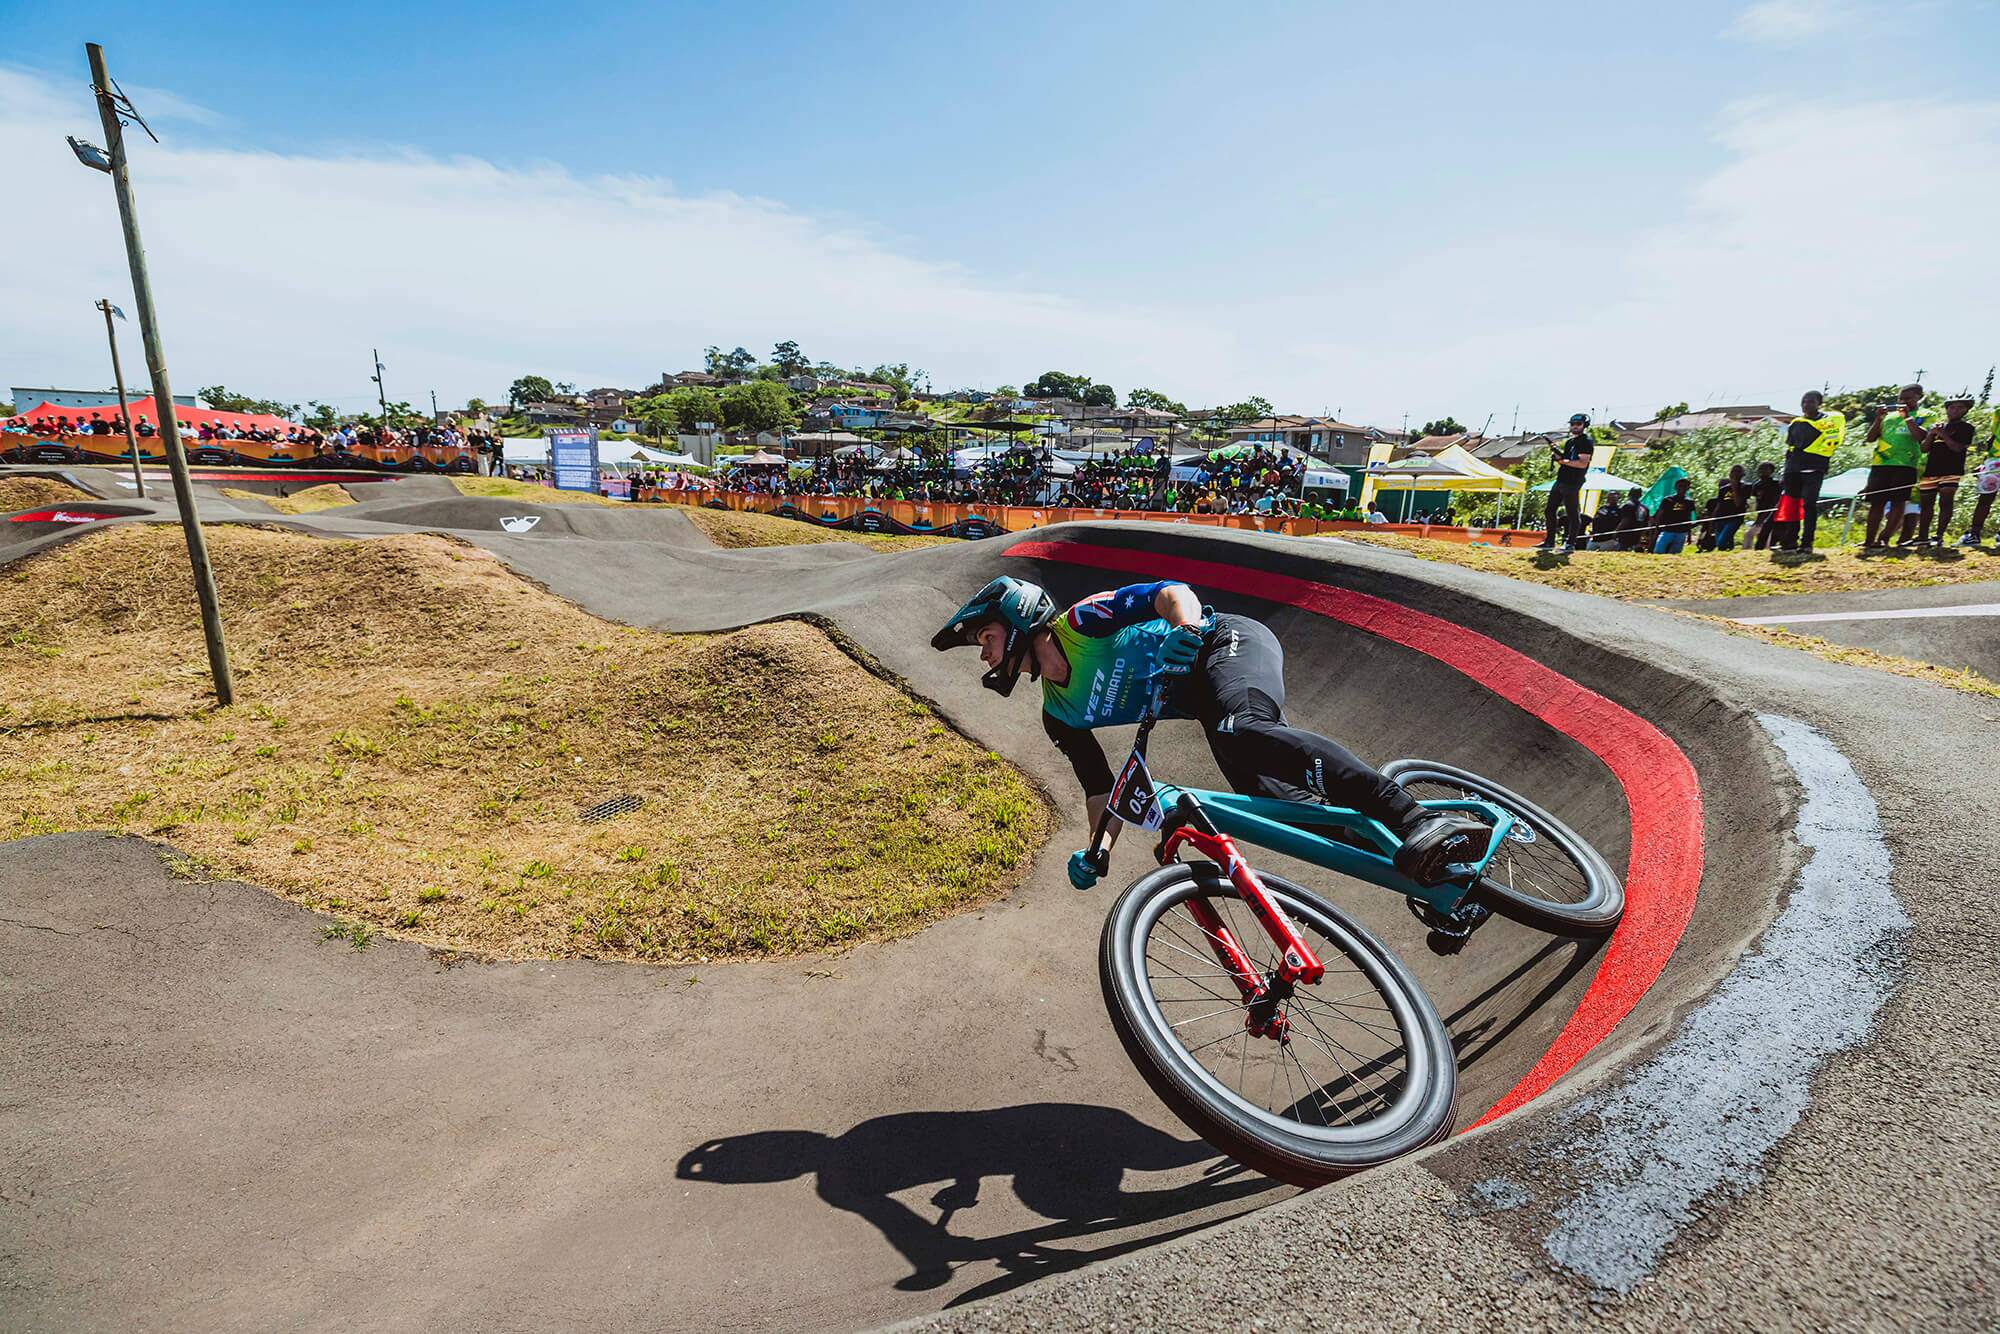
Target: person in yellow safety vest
pixel 1809 444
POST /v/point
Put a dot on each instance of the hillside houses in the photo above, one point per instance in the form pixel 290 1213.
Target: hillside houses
pixel 1336 442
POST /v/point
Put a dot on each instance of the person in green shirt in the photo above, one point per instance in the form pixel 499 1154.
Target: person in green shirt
pixel 1898 436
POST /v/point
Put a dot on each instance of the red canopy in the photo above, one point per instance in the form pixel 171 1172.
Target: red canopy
pixel 142 410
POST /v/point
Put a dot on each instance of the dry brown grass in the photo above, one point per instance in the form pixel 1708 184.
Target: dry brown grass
pixel 1635 575
pixel 420 728
pixel 1641 576
pixel 1952 678
pixel 506 488
pixel 326 496
pixel 743 528
pixel 33 493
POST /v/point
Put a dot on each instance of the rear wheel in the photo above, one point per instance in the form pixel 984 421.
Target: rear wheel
pixel 1367 1075
pixel 1544 875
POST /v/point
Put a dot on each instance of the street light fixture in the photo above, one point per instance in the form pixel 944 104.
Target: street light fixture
pixel 89 154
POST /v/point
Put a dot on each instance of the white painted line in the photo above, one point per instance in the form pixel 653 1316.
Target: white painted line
pixel 1698 1118
pixel 1894 614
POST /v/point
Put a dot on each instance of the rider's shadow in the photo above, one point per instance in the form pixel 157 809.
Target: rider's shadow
pixel 1066 1161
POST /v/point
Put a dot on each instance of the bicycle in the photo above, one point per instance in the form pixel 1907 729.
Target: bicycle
pixel 1382 1081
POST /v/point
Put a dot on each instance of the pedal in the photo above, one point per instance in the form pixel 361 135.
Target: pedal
pixel 1448 932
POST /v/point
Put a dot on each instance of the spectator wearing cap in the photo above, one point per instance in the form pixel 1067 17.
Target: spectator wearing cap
pixel 1572 460
pixel 1944 469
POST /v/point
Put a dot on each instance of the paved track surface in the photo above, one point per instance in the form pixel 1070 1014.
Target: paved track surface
pixel 219 1121
pixel 1955 625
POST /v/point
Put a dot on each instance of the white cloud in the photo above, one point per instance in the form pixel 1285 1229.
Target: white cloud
pixel 1841 242
pixel 277 273
pixel 1786 22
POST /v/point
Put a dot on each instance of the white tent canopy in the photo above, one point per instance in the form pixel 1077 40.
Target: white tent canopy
pixel 530 450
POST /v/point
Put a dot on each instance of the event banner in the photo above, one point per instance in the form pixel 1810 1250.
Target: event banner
pixel 573 459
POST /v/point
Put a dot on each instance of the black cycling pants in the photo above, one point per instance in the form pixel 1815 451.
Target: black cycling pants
pixel 1568 499
pixel 1238 692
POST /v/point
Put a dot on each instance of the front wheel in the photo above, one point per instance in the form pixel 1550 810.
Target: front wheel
pixel 1544 875
pixel 1367 1073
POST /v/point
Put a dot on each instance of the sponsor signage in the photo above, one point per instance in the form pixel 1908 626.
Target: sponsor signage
pixel 1133 799
pixel 573 459
pixel 57 516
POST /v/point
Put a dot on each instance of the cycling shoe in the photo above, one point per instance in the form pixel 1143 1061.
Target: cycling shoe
pixel 1433 845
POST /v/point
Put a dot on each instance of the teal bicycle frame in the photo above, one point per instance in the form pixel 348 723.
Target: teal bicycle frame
pixel 1285 827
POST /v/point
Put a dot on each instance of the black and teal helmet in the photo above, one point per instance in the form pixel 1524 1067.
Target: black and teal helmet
pixel 1020 606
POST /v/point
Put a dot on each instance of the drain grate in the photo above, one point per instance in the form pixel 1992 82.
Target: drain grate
pixel 604 810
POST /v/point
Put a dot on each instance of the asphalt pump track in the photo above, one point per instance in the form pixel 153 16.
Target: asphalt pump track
pixel 215 1121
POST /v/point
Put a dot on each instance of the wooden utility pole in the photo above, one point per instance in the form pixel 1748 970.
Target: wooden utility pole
pixel 381 394
pixel 110 105
pixel 124 409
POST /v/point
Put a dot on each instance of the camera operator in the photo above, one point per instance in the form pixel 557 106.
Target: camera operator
pixel 1572 460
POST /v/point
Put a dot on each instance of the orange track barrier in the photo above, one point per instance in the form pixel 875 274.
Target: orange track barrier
pixel 34 448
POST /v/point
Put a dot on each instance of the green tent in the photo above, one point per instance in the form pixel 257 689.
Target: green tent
pixel 1662 488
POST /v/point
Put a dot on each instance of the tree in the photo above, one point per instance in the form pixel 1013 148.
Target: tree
pixel 693 405
pixel 759 405
pixel 789 360
pixel 1986 390
pixel 1446 425
pixel 656 413
pixel 530 389
pixel 475 407
pixel 1100 396
pixel 1253 408
pixel 1854 403
pixel 322 417
pixel 1154 399
pixel 1670 411
pixel 898 377
pixel 219 398
pixel 565 388
pixel 735 365
pixel 1055 384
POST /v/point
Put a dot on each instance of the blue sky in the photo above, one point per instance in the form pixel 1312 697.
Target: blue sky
pixel 1385 209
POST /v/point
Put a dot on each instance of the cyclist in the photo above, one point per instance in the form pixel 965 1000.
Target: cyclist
pixel 1097 660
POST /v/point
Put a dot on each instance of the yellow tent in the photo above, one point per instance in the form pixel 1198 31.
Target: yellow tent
pixel 1452 468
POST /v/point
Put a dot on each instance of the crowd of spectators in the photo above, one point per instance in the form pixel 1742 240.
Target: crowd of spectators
pixel 338 441
pixel 1245 480
pixel 1917 462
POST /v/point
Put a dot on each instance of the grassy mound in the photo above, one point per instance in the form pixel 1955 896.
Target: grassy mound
pixel 33 493
pixel 328 495
pixel 1641 575
pixel 734 528
pixel 506 488
pixel 421 730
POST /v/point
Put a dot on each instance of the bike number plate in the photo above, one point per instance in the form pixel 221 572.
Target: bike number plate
pixel 1133 799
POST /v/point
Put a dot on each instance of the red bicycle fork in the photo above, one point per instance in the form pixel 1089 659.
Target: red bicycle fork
pixel 1263 995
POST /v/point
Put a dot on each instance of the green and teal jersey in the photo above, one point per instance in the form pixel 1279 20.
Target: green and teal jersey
pixel 1898 446
pixel 1112 641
